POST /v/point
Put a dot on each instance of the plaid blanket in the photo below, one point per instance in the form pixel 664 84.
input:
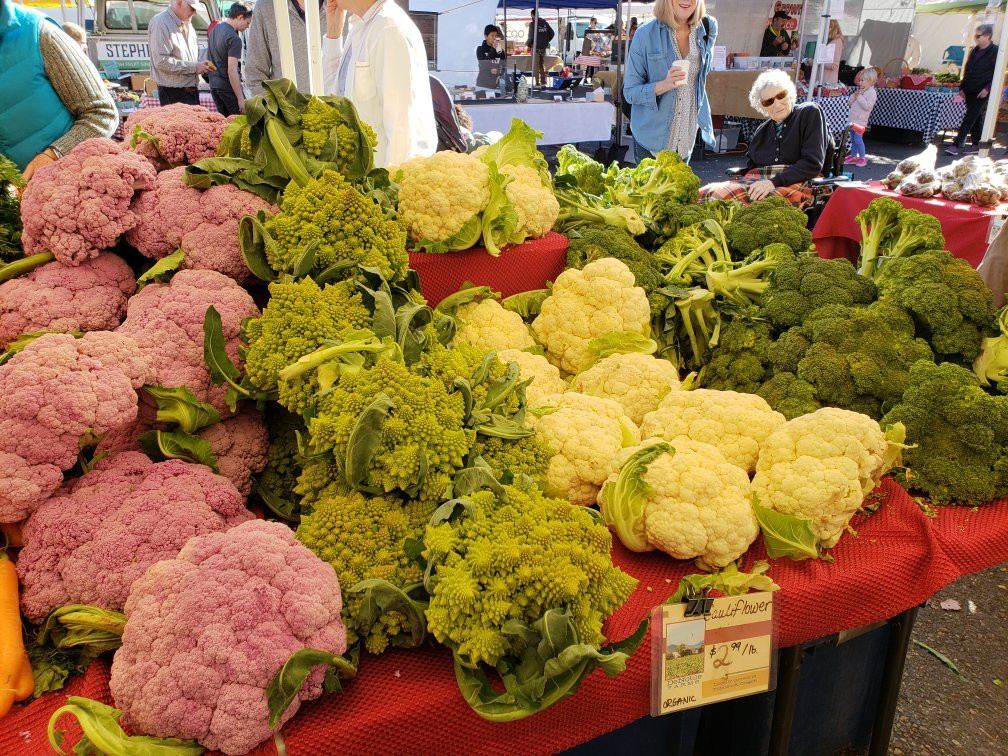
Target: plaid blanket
pixel 799 195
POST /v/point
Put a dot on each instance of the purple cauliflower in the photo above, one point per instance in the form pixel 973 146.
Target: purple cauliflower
pixel 88 543
pixel 203 224
pixel 55 393
pixel 166 321
pixel 60 297
pixel 240 444
pixel 80 204
pixel 176 134
pixel 207 631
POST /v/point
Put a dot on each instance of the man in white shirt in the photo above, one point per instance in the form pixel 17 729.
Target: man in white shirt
pixel 382 68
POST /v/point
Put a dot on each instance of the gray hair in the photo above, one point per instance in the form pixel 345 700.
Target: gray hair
pixel 774 78
pixel 986 29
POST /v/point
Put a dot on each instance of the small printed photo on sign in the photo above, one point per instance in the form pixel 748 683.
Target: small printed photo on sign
pixel 684 647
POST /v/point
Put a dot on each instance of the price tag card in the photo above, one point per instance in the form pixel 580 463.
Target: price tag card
pixel 727 651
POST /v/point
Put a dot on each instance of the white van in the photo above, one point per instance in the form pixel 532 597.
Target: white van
pixel 119 39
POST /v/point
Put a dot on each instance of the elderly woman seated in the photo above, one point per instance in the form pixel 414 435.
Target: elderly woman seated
pixel 785 152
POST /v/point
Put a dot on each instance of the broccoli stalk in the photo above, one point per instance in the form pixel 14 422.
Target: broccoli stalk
pixel 701 324
pixel 991 366
pixel 693 251
pixel 578 208
pixel 890 230
pixel 744 284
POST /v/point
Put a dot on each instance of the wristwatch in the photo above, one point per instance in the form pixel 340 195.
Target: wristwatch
pixel 52 152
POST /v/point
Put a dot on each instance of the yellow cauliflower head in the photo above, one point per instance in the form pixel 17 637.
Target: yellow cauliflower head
pixel 737 424
pixel 586 304
pixel 546 378
pixel 486 325
pixel 637 381
pixel 683 497
pixel 533 200
pixel 585 434
pixel 820 466
pixel 440 194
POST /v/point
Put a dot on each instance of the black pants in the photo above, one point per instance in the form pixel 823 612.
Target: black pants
pixel 225 100
pixel 972 122
pixel 171 95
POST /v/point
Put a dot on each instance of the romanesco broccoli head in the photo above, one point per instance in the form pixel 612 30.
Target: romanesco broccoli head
pixel 345 225
pixel 770 220
pixel 275 482
pixel 523 456
pixel 958 432
pixel 319 120
pixel 418 443
pixel 856 358
pixel 800 286
pixel 298 318
pixel 949 302
pixel 363 538
pixel 513 556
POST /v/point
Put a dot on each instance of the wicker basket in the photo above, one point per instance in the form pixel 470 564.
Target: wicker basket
pixel 893 80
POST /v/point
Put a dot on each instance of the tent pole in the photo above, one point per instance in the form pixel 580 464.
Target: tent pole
pixel 994 97
pixel 313 30
pixel 535 42
pixel 617 90
pixel 821 40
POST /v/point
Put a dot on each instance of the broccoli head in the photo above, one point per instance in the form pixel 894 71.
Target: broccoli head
pixel 767 221
pixel 949 302
pixel 340 224
pixel 578 208
pixel 744 283
pixel 856 358
pixel 790 395
pixel 889 230
pixel 958 432
pixel 798 287
pixel 686 258
pixel 740 362
pixel 363 538
pixel 587 172
pixel 665 174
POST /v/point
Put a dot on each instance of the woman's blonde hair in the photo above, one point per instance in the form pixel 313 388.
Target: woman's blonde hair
pixel 664 11
pixel 834 30
pixel 775 78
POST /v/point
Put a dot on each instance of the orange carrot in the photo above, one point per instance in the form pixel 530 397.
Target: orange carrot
pixel 13 658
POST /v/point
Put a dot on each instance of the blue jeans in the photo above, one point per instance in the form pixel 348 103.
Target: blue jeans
pixel 640 152
pixel 857 148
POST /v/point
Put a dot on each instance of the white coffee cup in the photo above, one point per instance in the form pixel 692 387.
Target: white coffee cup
pixel 684 66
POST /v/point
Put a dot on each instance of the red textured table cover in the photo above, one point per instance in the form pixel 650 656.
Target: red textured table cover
pixel 965 226
pixel 407 702
pixel 522 267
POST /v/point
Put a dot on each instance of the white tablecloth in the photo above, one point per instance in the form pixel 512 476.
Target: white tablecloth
pixel 560 122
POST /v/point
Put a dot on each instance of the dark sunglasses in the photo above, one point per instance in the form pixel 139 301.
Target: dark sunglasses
pixel 770 100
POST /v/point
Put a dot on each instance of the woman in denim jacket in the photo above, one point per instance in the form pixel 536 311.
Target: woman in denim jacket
pixel 660 118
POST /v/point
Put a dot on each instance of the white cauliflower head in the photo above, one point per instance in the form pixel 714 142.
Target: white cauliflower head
pixel 440 194
pixel 585 434
pixel 533 200
pixel 486 325
pixel 637 381
pixel 683 497
pixel 545 377
pixel 820 466
pixel 598 300
pixel 735 423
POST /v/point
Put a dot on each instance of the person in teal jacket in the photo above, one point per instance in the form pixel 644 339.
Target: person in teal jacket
pixel 669 103
pixel 52 97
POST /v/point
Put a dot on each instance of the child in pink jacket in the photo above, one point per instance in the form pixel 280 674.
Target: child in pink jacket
pixel 861 104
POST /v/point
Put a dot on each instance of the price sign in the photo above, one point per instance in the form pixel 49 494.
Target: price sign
pixel 725 650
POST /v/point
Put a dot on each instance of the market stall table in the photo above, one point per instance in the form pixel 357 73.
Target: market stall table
pixel 561 122
pixel 915 110
pixel 524 62
pixel 899 558
pixel 150 101
pixel 966 227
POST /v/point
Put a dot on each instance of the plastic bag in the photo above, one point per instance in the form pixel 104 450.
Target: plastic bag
pixel 924 161
pixel 919 184
pixel 893 180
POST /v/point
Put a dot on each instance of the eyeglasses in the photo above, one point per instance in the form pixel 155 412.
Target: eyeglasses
pixel 770 100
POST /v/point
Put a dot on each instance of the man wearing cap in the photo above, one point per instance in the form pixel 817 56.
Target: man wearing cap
pixel 776 40
pixel 174 53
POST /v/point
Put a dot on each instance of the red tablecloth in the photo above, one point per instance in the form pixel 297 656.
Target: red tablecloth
pixel 407 702
pixel 524 267
pixel 837 233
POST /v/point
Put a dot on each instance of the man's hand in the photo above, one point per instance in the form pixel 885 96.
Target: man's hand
pixel 204 67
pixel 983 93
pixel 43 158
pixel 761 189
pixel 241 106
pixel 335 18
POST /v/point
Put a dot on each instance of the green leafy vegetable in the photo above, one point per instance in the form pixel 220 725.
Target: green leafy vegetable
pixel 284 687
pixel 104 735
pixel 730 581
pixel 785 535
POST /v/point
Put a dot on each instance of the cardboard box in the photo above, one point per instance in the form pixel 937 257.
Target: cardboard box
pixel 138 81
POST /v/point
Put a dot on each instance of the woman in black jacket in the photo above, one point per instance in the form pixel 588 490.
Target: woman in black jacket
pixel 785 152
